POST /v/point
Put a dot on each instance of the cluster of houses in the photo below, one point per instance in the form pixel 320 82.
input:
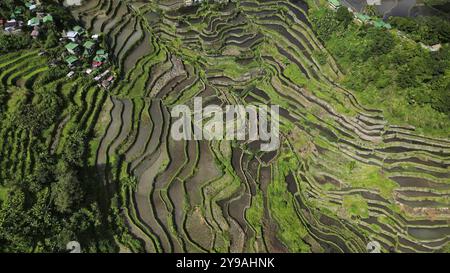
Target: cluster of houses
pixel 360 17
pixel 15 22
pixel 82 48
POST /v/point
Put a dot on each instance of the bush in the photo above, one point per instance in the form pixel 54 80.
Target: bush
pixel 9 43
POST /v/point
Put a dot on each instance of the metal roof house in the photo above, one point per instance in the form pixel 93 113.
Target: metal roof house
pixel 335 4
pixel 78 30
pixel 378 23
pixel 73 48
pixel 34 33
pixel 362 18
pixel 89 47
pixel 47 19
pixel 72 35
pixel 34 22
pixel 72 60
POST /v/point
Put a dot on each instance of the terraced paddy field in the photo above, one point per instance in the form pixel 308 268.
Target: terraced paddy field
pixel 343 175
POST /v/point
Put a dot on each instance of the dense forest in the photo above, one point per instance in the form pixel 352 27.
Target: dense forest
pixel 396 73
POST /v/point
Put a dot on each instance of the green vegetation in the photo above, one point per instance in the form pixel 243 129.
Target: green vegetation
pixel 14 42
pixel 429 30
pixel 356 205
pixel 404 79
pixel 98 165
pixel 293 73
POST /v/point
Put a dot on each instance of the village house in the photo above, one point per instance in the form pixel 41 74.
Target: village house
pixel 33 22
pixel 78 30
pixel 75 34
pixel 100 58
pixel 70 74
pixel 362 18
pixel 101 76
pixel 379 23
pixel 13 25
pixel 73 48
pixel 17 13
pixel 107 82
pixel 47 19
pixel 335 4
pixel 35 33
pixel 32 7
pixel 72 35
pixel 89 48
pixel 72 61
pixel 432 48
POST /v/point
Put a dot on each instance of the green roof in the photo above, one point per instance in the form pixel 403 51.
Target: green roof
pixel 33 21
pixel 380 23
pixel 71 59
pixel 47 18
pixel 89 44
pixel 99 58
pixel 71 46
pixel 78 29
pixel 335 3
pixel 363 17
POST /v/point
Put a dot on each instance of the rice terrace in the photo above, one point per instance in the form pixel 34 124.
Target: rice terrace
pixel 87 92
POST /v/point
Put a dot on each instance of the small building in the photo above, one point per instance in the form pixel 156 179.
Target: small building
pixel 11 23
pixel 101 54
pixel 47 19
pixel 89 47
pixel 73 48
pixel 432 48
pixel 107 82
pixel 378 23
pixel 18 11
pixel 72 35
pixel 100 58
pixel 35 33
pixel 72 61
pixel 335 4
pixel 78 30
pixel 70 74
pixel 101 76
pixel 33 22
pixel 362 18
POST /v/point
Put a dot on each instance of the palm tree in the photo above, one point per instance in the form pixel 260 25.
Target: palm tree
pixel 371 10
